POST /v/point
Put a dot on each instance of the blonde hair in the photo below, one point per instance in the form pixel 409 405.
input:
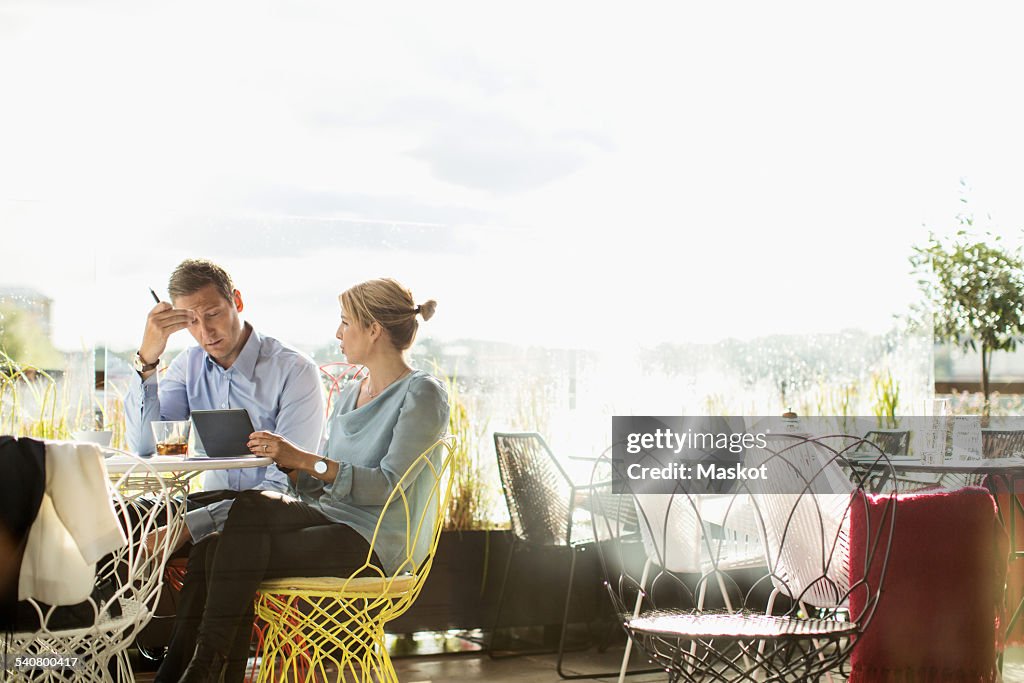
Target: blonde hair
pixel 387 302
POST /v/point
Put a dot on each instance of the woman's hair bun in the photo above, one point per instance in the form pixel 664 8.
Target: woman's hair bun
pixel 427 309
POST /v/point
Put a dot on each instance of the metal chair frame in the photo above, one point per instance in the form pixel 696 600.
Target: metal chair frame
pixel 803 630
pixel 135 573
pixel 890 441
pixel 996 442
pixel 318 625
pixel 554 517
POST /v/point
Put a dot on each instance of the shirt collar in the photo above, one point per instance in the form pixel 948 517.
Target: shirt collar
pixel 247 357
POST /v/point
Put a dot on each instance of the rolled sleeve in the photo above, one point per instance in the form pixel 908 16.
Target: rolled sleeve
pixel 206 520
pixel 306 485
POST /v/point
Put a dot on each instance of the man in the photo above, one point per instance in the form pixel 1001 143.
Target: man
pixel 233 366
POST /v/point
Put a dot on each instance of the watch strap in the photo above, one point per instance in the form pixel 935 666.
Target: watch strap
pixel 142 366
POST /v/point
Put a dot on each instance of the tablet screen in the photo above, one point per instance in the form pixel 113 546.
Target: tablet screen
pixel 224 433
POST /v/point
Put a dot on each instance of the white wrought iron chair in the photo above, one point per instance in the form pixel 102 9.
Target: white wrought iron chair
pixel 791 620
pixel 131 576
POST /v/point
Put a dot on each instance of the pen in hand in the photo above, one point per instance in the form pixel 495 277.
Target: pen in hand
pixel 155 297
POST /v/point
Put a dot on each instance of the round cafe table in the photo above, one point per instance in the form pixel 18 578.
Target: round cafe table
pixel 151 493
pixel 92 647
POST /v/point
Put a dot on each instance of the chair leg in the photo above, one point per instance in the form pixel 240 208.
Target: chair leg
pixel 561 640
pixel 636 613
pixel 565 621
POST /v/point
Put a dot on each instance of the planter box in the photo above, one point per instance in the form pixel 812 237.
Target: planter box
pixel 462 589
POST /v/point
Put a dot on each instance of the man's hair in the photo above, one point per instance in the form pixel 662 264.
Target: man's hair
pixel 193 274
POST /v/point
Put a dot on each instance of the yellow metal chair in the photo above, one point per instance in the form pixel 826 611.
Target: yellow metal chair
pixel 327 628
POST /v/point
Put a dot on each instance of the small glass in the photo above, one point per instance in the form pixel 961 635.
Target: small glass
pixel 936 429
pixel 171 437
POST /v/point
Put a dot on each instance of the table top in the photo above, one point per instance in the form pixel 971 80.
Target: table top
pixel 992 466
pixel 176 463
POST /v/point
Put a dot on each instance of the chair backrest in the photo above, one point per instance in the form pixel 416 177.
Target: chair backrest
pixel 892 441
pixel 688 541
pixel 420 498
pixel 800 513
pixel 336 375
pixel 695 533
pixel 536 488
pixel 807 543
pixel 128 580
pixel 1002 443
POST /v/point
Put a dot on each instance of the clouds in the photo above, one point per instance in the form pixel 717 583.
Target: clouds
pixel 661 158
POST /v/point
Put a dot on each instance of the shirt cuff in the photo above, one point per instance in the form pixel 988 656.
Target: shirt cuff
pixel 341 487
pixel 306 483
pixel 148 386
pixel 206 520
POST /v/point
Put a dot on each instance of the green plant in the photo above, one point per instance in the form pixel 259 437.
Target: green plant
pixel 471 490
pixel 975 289
pixel 885 394
pixel 32 404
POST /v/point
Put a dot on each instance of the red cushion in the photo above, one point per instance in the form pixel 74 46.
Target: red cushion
pixel 1015 576
pixel 937 615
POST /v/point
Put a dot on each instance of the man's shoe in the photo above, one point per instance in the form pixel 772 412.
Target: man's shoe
pixel 207 666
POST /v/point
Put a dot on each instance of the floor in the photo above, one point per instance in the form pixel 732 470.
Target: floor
pixel 457 660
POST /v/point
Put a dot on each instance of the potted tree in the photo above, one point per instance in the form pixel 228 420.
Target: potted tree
pixel 975 290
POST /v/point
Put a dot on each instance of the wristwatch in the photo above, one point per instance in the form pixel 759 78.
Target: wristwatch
pixel 141 365
pixel 320 466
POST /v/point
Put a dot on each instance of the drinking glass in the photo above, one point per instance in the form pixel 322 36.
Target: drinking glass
pixel 171 436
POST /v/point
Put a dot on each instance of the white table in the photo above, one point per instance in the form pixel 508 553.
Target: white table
pixel 175 471
pixel 167 479
pixel 180 463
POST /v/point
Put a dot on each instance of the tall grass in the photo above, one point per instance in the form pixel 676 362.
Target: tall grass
pixel 32 405
pixel 472 490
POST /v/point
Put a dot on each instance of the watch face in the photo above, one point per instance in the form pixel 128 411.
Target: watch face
pixel 320 467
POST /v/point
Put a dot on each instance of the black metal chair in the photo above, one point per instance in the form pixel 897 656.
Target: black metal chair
pixel 891 441
pixel 547 509
pixel 1001 443
pixel 793 619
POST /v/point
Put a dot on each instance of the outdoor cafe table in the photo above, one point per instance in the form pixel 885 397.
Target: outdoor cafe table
pixel 177 470
pixel 156 487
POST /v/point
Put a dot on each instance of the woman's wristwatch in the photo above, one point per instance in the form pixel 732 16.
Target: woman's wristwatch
pixel 320 466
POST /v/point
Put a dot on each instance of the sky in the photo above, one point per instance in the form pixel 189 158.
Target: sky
pixel 570 174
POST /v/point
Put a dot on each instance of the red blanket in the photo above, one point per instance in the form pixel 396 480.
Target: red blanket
pixel 938 614
pixel 1015 576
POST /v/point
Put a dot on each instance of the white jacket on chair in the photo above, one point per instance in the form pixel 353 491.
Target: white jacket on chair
pixel 75 526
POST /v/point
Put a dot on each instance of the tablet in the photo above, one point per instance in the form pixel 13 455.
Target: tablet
pixel 224 433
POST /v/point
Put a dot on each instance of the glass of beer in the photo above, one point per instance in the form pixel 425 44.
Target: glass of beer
pixel 171 437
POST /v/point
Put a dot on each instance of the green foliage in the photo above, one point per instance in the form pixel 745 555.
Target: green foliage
pixel 32 405
pixel 975 290
pixel 471 490
pixel 885 399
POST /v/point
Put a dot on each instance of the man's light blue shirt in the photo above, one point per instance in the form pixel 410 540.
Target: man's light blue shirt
pixel 277 384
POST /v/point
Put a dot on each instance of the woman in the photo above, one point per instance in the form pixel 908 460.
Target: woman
pixel 379 427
